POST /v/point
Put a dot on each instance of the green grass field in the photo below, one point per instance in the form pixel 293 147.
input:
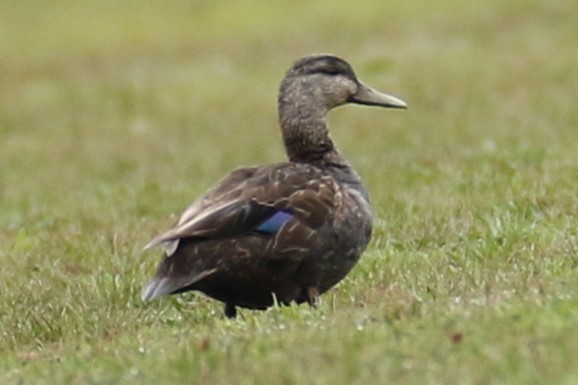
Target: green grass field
pixel 116 115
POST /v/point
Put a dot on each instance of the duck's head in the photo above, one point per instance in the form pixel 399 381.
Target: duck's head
pixel 328 81
pixel 313 86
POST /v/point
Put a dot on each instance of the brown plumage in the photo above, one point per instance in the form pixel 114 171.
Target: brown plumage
pixel 290 230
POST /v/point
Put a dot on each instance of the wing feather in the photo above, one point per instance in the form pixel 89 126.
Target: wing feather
pixel 247 197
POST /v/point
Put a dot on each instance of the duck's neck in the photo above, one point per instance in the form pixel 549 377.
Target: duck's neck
pixel 304 127
pixel 307 140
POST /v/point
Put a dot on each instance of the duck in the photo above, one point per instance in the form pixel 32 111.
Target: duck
pixel 280 233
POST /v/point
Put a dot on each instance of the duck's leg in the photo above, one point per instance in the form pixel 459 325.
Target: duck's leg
pixel 312 296
pixel 230 310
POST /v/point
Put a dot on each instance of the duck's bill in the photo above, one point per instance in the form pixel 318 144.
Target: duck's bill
pixel 368 96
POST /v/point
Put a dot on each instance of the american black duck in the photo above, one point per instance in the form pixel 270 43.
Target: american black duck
pixel 289 230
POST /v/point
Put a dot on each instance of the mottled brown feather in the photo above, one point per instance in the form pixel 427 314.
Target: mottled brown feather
pixel 246 197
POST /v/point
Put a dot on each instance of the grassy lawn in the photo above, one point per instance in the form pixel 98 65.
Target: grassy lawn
pixel 115 115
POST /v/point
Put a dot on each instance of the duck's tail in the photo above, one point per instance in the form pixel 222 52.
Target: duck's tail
pixel 164 285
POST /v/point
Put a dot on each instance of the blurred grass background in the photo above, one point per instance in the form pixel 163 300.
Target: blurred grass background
pixel 115 115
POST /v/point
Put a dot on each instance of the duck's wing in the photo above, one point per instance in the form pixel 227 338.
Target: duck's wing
pixel 256 199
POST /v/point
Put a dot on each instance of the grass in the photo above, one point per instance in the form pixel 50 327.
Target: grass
pixel 113 116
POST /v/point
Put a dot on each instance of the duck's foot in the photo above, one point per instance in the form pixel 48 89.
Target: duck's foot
pixel 230 310
pixel 313 296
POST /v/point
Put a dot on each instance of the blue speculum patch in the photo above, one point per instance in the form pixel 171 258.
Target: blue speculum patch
pixel 274 223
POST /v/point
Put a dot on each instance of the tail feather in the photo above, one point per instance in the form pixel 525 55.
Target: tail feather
pixel 161 286
pixel 169 246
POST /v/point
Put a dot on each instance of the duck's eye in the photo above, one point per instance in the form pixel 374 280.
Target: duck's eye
pixel 331 72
